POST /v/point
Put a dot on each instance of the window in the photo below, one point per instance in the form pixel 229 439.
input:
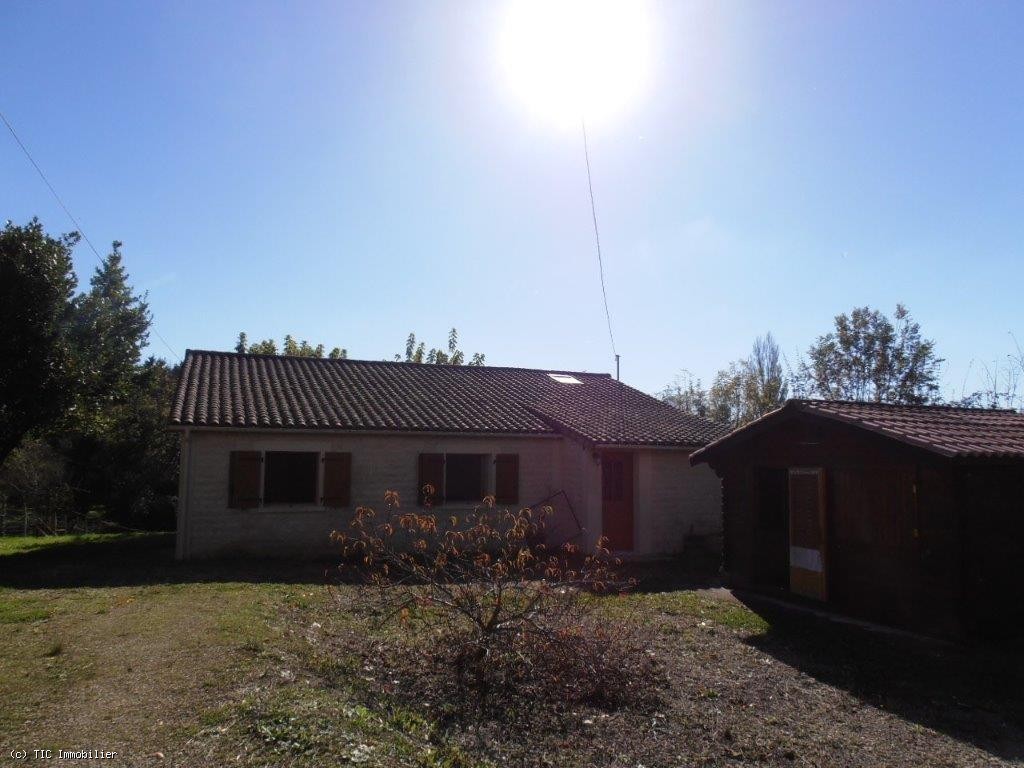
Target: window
pixel 458 477
pixel 564 378
pixel 289 477
pixel 464 477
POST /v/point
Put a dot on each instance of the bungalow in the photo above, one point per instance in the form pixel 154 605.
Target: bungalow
pixel 278 451
pixel 903 514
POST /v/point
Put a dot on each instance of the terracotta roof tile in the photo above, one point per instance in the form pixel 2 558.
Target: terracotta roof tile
pixel 966 432
pixel 946 430
pixel 224 389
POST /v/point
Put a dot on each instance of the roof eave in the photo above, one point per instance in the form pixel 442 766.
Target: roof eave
pixel 705 454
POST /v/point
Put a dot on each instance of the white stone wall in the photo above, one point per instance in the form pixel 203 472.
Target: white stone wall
pixel 207 527
pixel 671 500
pixel 674 500
pixel 580 475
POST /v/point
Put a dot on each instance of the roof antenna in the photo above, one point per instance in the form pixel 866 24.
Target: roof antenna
pixel 616 367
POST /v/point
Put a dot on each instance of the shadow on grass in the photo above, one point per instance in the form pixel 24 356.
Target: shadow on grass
pixel 148 558
pixel 697 567
pixel 662 577
pixel 975 695
pixel 139 559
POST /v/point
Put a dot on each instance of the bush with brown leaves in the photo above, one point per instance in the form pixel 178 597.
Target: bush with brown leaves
pixel 495 613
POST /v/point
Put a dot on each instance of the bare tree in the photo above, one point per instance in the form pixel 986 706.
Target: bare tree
pixel 766 385
pixel 1001 383
pixel 745 390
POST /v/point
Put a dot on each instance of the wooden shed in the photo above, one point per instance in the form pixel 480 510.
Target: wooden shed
pixel 911 516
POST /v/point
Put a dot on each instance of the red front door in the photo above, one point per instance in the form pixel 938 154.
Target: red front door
pixel 617 500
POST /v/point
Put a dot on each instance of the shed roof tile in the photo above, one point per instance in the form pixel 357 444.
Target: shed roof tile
pixel 945 430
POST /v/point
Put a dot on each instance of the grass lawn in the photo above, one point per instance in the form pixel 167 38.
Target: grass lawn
pixel 106 643
pixel 16 545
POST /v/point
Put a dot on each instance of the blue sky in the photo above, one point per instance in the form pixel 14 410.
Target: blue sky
pixel 356 171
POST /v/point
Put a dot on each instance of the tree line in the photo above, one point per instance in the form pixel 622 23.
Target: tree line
pixel 415 352
pixel 866 356
pixel 82 415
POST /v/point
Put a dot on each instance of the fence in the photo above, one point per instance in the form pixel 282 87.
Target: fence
pixel 25 521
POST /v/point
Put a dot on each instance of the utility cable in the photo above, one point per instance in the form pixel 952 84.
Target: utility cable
pixel 597 237
pixel 70 215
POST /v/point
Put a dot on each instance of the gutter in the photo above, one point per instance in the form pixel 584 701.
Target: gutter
pixel 644 447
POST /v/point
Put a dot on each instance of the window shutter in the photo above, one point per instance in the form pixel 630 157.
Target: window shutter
pixel 506 478
pixel 337 479
pixel 244 480
pixel 431 473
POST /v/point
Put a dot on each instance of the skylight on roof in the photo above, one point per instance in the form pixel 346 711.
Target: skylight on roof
pixel 564 378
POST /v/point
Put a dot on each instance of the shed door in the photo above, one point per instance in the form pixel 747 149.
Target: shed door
pixel 617 500
pixel 807 575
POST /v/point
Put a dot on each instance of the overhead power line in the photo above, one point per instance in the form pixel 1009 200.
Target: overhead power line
pixel 78 227
pixel 597 241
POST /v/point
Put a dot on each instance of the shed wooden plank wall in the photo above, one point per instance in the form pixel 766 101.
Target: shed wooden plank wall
pixel 892 522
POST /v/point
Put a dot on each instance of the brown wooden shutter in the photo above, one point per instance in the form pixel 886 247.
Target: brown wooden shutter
pixel 244 480
pixel 337 479
pixel 432 474
pixel 506 478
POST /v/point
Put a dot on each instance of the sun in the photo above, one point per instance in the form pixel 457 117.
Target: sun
pixel 568 60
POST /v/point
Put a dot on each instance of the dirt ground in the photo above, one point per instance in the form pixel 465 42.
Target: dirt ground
pixel 751 688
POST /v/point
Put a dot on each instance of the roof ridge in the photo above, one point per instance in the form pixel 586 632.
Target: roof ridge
pixel 875 404
pixel 346 360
